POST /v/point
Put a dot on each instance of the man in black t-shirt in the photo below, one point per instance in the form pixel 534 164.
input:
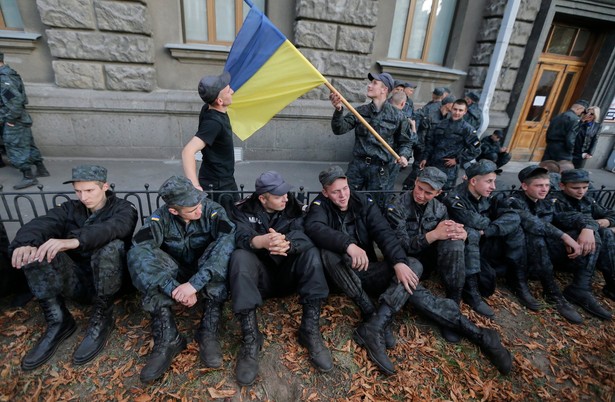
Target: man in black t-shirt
pixel 214 139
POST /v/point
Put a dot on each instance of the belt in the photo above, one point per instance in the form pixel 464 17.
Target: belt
pixel 369 160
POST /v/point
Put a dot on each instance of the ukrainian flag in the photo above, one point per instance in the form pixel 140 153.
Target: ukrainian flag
pixel 267 73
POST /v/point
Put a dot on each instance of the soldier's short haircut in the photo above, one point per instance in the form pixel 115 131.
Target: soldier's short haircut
pixel 461 102
pixel 550 165
pixel 530 179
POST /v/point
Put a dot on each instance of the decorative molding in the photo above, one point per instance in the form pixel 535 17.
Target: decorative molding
pixel 417 71
pixel 193 53
pixel 18 41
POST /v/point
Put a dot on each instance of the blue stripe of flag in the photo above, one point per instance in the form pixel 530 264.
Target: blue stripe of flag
pixel 257 40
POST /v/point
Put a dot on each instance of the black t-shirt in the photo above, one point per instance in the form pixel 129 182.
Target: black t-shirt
pixel 219 154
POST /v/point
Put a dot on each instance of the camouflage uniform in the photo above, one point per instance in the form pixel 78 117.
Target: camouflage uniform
pixel 451 139
pixel 411 223
pixel 20 148
pixel 490 149
pixel 474 116
pixel 426 119
pixel 373 167
pixel 166 252
pixel 561 135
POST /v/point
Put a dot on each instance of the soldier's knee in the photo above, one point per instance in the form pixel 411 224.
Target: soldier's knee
pixel 416 266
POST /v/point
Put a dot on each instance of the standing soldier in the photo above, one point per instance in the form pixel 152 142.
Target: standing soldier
pixel 562 133
pixel 182 251
pixel 275 257
pixel 451 143
pixel 372 166
pixel 76 250
pixel 16 122
pixel 474 116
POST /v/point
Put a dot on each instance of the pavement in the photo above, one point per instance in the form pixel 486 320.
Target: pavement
pixel 133 174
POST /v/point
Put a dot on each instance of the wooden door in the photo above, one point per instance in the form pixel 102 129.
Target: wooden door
pixel 550 94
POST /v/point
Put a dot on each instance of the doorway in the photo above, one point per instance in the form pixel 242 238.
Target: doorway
pixel 554 84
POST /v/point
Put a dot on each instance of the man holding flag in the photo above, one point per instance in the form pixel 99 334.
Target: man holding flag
pixel 373 167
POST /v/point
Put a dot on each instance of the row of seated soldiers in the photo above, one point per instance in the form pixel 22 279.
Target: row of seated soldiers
pixel 192 251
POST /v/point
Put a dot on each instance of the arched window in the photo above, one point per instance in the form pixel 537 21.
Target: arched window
pixel 421 30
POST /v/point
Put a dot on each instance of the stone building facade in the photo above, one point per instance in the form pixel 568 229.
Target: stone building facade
pixel 116 78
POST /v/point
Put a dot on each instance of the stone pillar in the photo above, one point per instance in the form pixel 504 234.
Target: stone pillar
pixel 100 44
pixel 337 37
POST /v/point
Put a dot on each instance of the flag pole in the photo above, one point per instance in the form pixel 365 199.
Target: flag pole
pixel 363 121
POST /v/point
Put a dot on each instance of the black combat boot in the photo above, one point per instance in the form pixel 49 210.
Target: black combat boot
pixel 27 180
pixel 367 311
pixel 99 328
pixel 370 334
pixel 519 286
pixel 247 361
pixel 168 343
pixel 554 296
pixel 609 288
pixel 207 335
pixel 2 164
pixel 579 293
pixel 60 325
pixel 41 170
pixel 449 334
pixel 310 337
pixel 471 295
pixel 490 344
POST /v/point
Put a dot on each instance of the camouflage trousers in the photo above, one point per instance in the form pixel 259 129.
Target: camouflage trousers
pixel 447 259
pixel 380 279
pixel 20 148
pixel 81 282
pixel 156 274
pixel 368 175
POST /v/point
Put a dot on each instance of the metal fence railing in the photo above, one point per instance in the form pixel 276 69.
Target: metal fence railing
pixel 18 208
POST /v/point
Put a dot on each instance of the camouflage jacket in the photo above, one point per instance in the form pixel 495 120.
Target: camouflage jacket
pixel 213 234
pixel 573 214
pixel 412 222
pixel 451 139
pixel 474 116
pixel 389 122
pixel 13 98
pixel 537 218
pixel 485 214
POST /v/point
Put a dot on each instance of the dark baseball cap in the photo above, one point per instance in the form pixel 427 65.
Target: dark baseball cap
pixel 178 190
pixel 433 176
pixel 499 133
pixel 582 102
pixel 480 168
pixel 531 171
pixel 473 96
pixel 211 85
pixel 271 182
pixel 328 176
pixel 447 100
pixel 88 173
pixel 404 84
pixel 439 91
pixel 575 176
pixel 385 78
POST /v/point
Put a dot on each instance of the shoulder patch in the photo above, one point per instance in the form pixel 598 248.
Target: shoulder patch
pixel 155 218
pixel 316 202
pixel 213 214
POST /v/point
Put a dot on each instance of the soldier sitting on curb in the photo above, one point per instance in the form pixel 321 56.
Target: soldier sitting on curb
pixel 275 257
pixel 591 225
pixel 182 251
pixel 76 250
pixel 345 225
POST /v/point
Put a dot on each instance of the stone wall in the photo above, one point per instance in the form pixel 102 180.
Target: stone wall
pixel 485 44
pixel 100 44
pixel 337 37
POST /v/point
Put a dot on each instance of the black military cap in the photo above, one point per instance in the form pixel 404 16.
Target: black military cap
pixel 531 171
pixel 211 85
pixel 582 102
pixel 575 176
pixel 432 176
pixel 404 84
pixel 179 191
pixel 385 78
pixel 271 182
pixel 473 96
pixel 88 173
pixel 447 100
pixel 328 176
pixel 499 133
pixel 447 90
pixel 439 91
pixel 480 168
